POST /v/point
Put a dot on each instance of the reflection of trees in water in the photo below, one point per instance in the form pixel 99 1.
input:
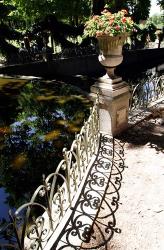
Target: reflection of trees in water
pixel 48 115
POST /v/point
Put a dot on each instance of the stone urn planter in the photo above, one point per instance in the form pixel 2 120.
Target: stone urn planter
pixel 111 54
pixel 111 31
pixel 113 91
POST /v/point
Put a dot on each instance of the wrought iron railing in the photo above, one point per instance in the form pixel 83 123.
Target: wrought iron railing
pixel 92 222
pixel 146 91
pixel 76 51
pixel 35 221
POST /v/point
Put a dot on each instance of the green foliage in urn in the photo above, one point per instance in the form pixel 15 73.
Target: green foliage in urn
pixel 108 24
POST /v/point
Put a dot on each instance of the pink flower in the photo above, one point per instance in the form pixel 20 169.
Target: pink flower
pixel 117 27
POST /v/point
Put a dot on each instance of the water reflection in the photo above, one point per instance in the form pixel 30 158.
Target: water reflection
pixel 36 122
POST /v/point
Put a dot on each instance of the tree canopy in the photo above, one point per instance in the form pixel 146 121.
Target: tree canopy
pixel 161 3
pixel 7 33
pixel 141 10
pixel 75 12
pixel 72 11
pixel 64 18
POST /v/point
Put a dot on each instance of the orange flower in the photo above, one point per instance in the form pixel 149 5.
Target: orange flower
pixel 124 19
pixel 117 22
pixel 99 33
pixel 111 21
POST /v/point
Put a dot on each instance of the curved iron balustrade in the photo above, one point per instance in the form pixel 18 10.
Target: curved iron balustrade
pixel 92 222
pixel 146 91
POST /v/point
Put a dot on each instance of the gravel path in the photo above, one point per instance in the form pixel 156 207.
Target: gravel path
pixel 140 215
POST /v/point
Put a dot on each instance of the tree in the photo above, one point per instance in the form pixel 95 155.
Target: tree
pixel 31 10
pixel 116 5
pixel 157 20
pixel 141 10
pixel 71 11
pixel 161 3
pixel 7 33
pixel 59 31
pixel 60 18
pixel 97 6
pixel 138 9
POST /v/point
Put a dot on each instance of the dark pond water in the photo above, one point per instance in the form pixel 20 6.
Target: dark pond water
pixel 37 119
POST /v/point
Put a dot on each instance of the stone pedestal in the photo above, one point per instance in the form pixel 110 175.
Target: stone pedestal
pixel 113 104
